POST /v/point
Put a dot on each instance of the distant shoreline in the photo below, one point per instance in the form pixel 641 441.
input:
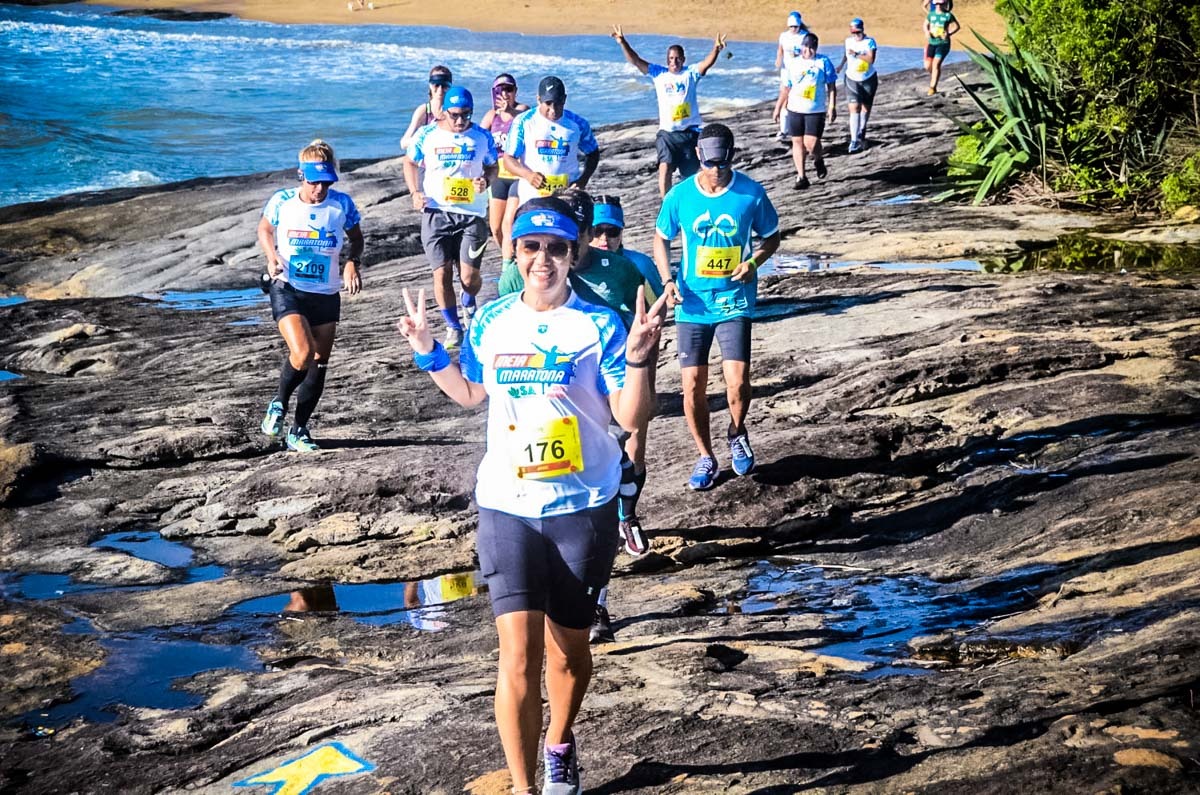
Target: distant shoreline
pixel 890 23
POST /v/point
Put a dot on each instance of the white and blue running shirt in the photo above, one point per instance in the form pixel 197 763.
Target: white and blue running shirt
pixel 859 69
pixel 808 80
pixel 549 147
pixel 452 161
pixel 677 107
pixel 309 238
pixel 543 372
pixel 790 44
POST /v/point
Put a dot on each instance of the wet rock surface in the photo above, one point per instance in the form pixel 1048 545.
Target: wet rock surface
pixel 967 561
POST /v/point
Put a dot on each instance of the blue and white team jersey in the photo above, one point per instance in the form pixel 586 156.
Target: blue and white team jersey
pixel 309 238
pixel 551 148
pixel 791 43
pixel 808 80
pixel 452 161
pixel 717 231
pixel 859 69
pixel 677 107
pixel 548 376
pixel 646 267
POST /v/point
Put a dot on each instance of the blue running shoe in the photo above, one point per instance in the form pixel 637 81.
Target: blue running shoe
pixel 562 771
pixel 299 440
pixel 704 475
pixel 272 424
pixel 743 456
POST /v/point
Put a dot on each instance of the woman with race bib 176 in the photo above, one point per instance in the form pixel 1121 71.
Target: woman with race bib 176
pixel 554 370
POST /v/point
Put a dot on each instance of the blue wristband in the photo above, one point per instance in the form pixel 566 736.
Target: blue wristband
pixel 437 359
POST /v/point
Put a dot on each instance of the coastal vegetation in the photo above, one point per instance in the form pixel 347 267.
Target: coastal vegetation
pixel 1091 102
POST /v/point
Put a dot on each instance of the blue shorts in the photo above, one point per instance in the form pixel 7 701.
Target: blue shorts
pixel 695 341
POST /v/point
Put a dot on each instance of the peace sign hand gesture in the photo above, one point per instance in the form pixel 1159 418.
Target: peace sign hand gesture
pixel 719 42
pixel 617 34
pixel 413 326
pixel 646 329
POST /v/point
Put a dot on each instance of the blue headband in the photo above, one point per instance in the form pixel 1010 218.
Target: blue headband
pixel 318 172
pixel 545 222
pixel 610 214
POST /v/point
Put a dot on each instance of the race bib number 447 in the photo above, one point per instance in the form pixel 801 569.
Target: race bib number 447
pixel 717 262
pixel 547 450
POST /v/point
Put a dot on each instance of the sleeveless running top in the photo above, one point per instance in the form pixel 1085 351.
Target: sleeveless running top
pixel 499 129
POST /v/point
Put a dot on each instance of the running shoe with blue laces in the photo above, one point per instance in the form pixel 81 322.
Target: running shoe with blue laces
pixel 272 424
pixel 743 456
pixel 704 475
pixel 299 440
pixel 562 771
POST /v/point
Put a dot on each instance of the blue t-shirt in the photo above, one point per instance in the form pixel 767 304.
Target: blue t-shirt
pixel 548 376
pixel 717 232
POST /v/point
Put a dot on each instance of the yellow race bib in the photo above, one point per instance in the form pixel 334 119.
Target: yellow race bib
pixel 553 184
pixel 810 92
pixel 863 66
pixel 457 586
pixel 937 32
pixel 504 173
pixel 717 262
pixel 459 190
pixel 547 450
pixel 682 111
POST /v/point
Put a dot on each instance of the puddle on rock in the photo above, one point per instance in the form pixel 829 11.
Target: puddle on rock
pixel 903 198
pixel 9 375
pixel 876 616
pixel 204 300
pixel 12 300
pixel 784 264
pixel 420 604
pixel 1089 254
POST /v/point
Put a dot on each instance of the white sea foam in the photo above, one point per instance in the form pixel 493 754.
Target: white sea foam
pixel 120 179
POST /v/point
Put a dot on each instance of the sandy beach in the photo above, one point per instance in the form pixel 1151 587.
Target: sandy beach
pixel 897 24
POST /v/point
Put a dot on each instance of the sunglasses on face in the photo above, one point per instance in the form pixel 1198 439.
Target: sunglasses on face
pixel 555 248
pixel 507 89
pixel 459 115
pixel 608 231
pixel 719 164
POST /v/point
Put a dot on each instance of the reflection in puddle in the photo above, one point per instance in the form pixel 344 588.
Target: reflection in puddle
pixel 9 375
pixel 876 616
pixel 12 300
pixel 203 300
pixel 903 198
pixel 250 321
pixel 1088 254
pixel 783 264
pixel 419 604
pixel 148 546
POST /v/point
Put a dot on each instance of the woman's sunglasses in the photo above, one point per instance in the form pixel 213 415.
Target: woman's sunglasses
pixel 555 248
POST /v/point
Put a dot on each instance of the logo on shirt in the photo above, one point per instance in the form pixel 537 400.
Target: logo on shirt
pixel 452 155
pixel 552 147
pixel 675 88
pixel 724 225
pixel 549 367
pixel 311 238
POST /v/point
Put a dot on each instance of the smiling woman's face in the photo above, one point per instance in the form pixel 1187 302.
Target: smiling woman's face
pixel 544 261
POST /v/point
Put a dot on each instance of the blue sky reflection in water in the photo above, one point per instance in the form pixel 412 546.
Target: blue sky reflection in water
pixel 95 101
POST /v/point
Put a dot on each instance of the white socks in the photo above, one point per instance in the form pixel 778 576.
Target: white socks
pixel 855 126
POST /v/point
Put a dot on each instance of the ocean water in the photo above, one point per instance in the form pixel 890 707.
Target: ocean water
pixel 91 101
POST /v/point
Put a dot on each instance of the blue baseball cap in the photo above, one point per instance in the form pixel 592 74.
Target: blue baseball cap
pixel 459 98
pixel 856 23
pixel 609 214
pixel 545 222
pixel 794 20
pixel 321 171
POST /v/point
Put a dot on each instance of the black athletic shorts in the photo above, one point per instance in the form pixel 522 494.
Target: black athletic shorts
pixel 453 238
pixel 556 564
pixel 695 341
pixel 317 308
pixel 937 50
pixel 504 189
pixel 862 92
pixel 678 149
pixel 800 124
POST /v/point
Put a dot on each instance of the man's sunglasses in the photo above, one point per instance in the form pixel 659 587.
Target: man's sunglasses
pixel 608 231
pixel 460 115
pixel 555 248
pixel 721 164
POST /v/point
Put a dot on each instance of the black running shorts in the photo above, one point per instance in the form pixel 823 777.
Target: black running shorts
pixel 937 50
pixel 317 308
pixel 556 564
pixel 861 92
pixel 451 238
pixel 695 341
pixel 504 189
pixel 800 124
pixel 678 149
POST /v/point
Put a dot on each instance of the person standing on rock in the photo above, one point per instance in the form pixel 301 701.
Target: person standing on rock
pixel 718 212
pixel 789 50
pixel 543 150
pixel 459 161
pixel 861 81
pixel 940 25
pixel 306 275
pixel 554 370
pixel 440 80
pixel 810 96
pixel 678 110
pixel 502 203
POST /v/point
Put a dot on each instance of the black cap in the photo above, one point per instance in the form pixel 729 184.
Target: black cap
pixel 551 89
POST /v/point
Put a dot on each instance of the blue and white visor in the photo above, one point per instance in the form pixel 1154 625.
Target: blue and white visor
pixel 322 171
pixel 545 222
pixel 609 214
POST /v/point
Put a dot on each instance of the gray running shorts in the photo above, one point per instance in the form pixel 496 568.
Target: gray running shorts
pixel 678 149
pixel 861 92
pixel 556 564
pixel 453 238
pixel 695 341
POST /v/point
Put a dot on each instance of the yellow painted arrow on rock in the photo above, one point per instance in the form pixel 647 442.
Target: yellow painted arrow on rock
pixel 300 776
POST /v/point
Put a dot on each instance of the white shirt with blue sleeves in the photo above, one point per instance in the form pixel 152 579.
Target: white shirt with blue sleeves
pixel 808 81
pixel 678 108
pixel 718 230
pixel 309 238
pixel 548 376
pixel 452 161
pixel 552 148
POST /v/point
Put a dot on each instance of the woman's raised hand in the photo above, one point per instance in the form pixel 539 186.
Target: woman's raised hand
pixel 646 328
pixel 413 326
